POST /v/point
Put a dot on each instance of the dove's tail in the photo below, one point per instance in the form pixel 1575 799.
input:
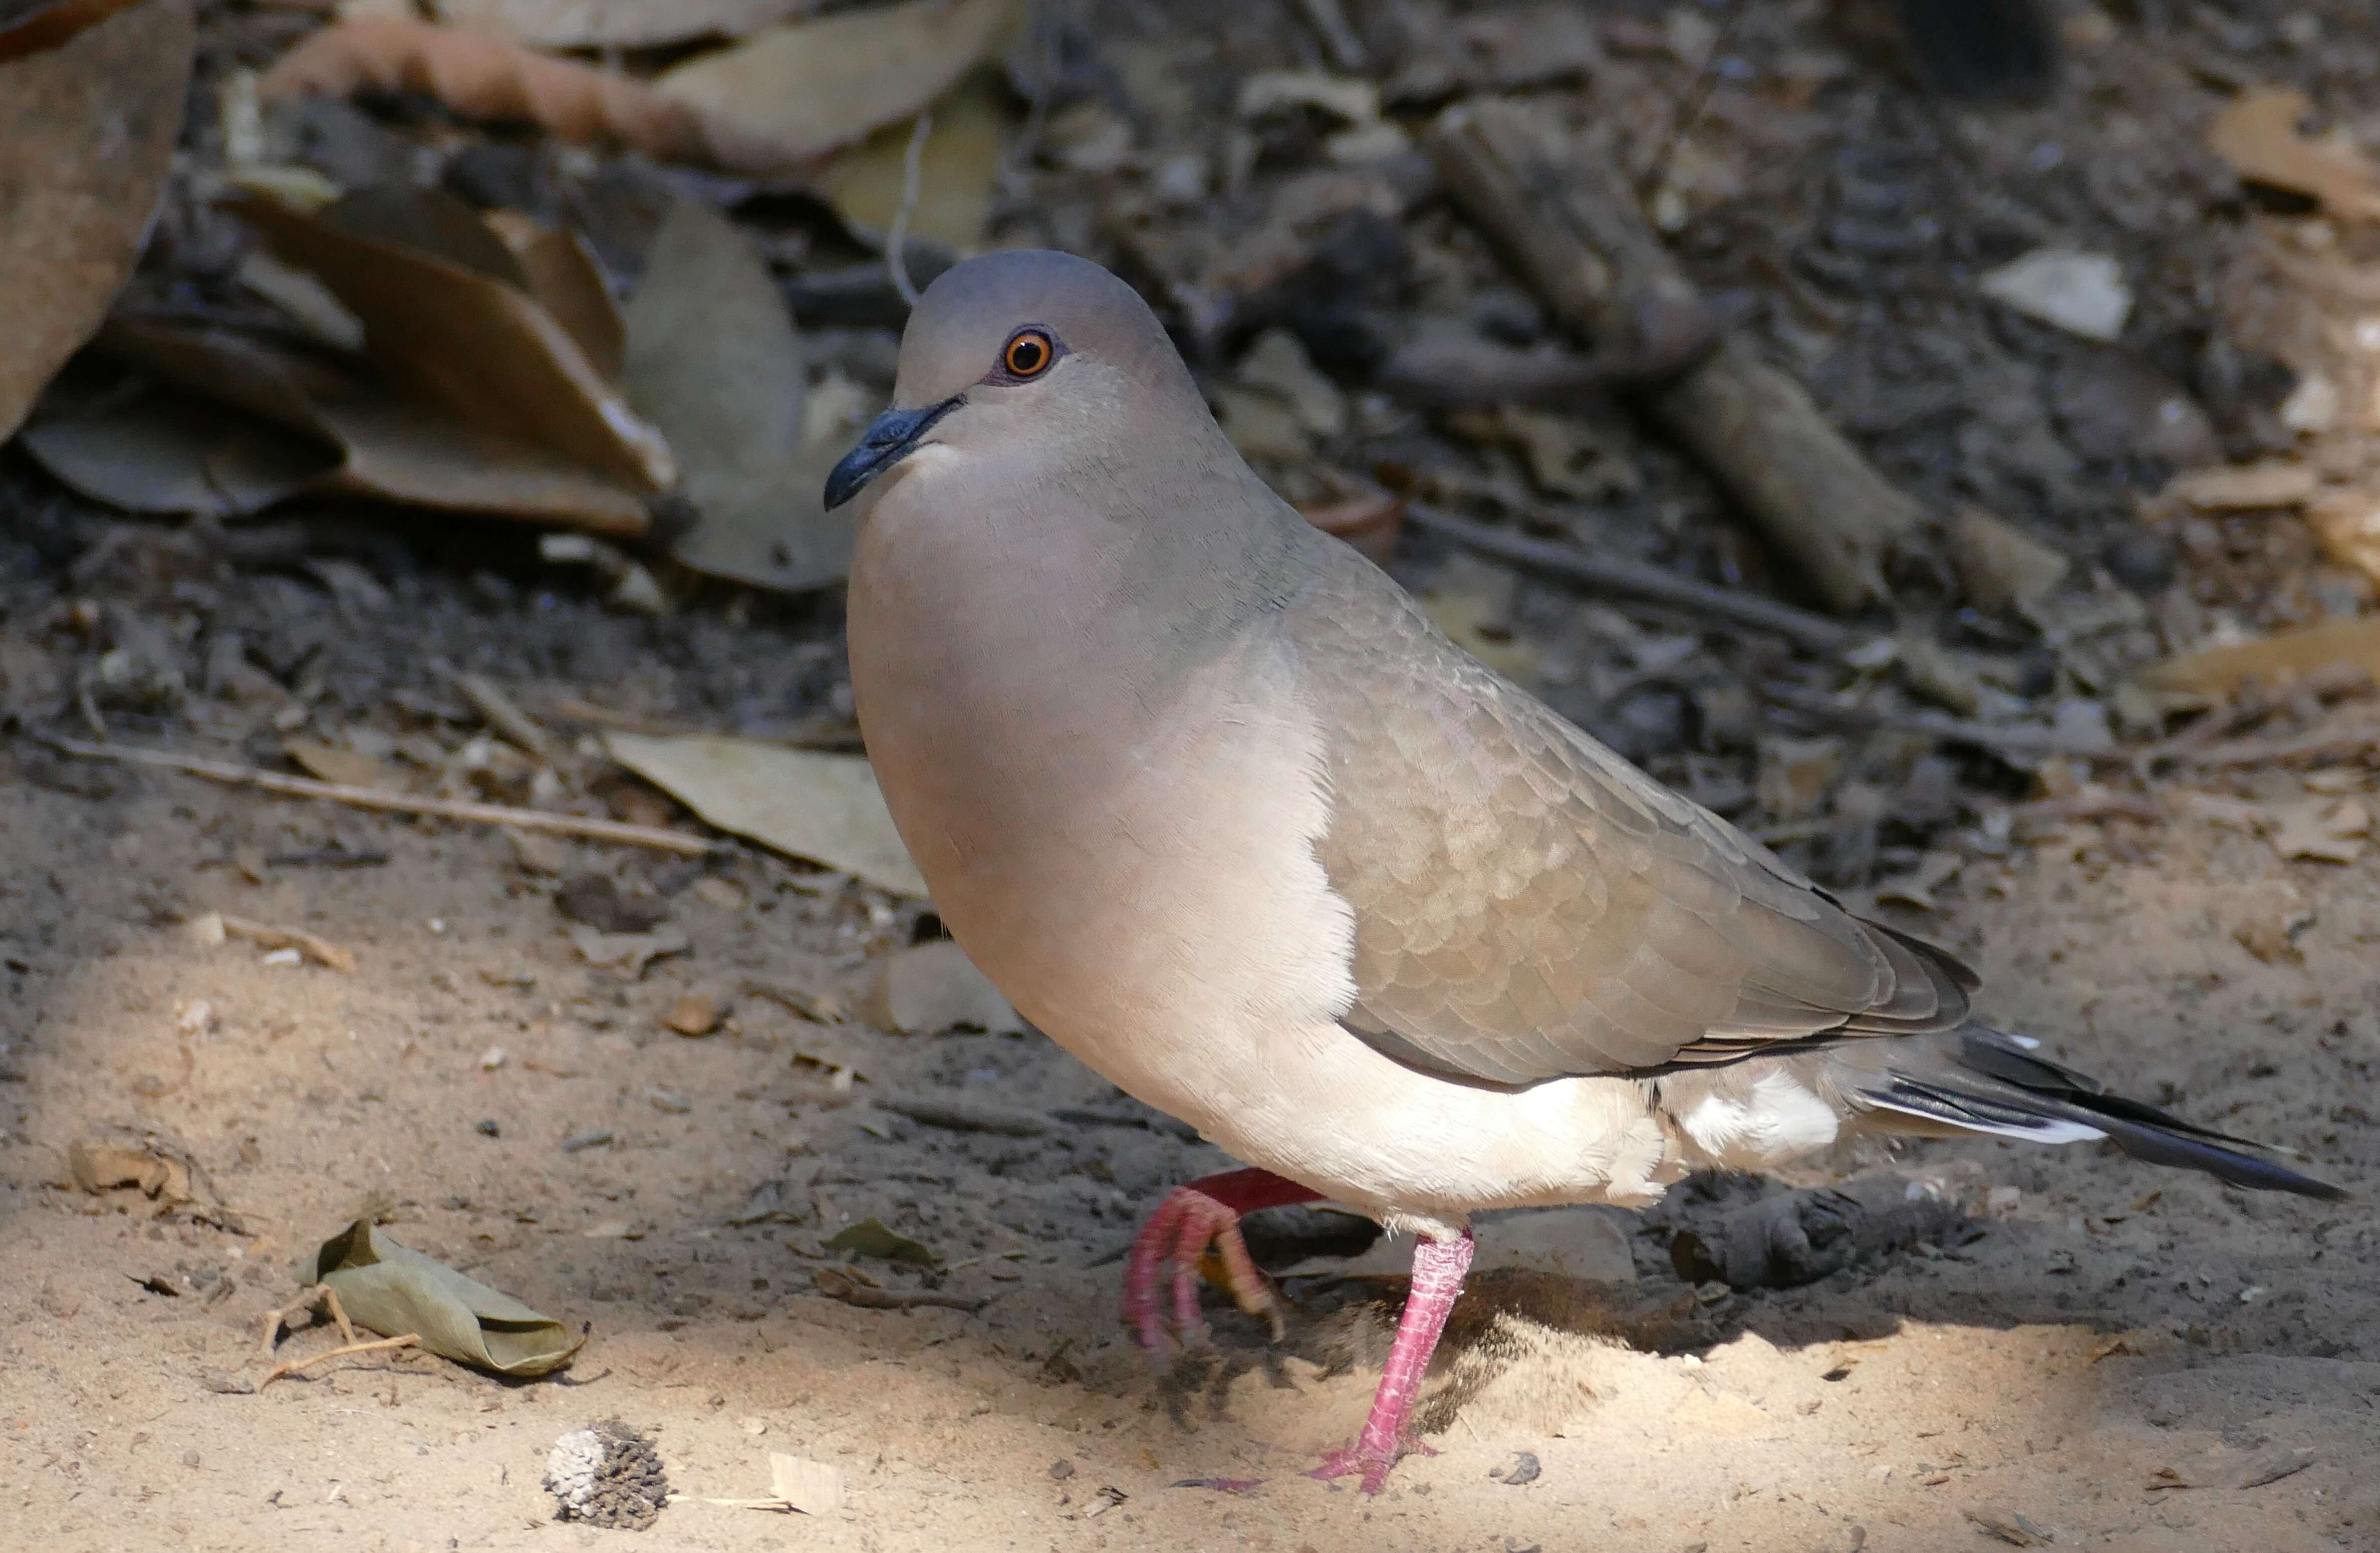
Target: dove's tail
pixel 1984 50
pixel 1976 1079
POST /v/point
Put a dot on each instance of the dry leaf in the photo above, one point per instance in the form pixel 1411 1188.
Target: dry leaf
pixel 933 986
pixel 87 127
pixel 2000 564
pixel 485 76
pixel 794 92
pixel 296 424
pixel 393 1290
pixel 2320 830
pixel 2239 487
pixel 956 171
pixel 824 808
pixel 630 953
pixel 811 1488
pixel 2218 671
pixel 2347 525
pixel 2082 293
pixel 713 360
pixel 349 768
pixel 589 24
pixel 464 340
pixel 560 271
pixel 2258 136
pixel 98 1166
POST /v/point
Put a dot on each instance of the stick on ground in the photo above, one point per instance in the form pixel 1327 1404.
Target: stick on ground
pixel 1570 224
pixel 1636 581
pixel 391 802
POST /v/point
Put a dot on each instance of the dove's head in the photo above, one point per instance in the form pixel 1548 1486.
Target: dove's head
pixel 1035 356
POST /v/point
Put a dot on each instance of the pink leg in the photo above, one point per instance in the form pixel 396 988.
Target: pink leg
pixel 1439 1267
pixel 1205 1212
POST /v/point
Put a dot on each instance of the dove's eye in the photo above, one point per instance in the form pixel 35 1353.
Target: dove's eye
pixel 1027 354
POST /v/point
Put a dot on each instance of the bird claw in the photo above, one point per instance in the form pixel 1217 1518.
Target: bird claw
pixel 1177 1236
pixel 1375 1465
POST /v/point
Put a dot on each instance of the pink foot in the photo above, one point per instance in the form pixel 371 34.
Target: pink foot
pixel 1191 1218
pixel 1439 1267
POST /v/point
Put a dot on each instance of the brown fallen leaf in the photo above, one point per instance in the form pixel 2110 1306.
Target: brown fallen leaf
pixel 792 94
pixel 2218 671
pixel 298 424
pixel 825 807
pixel 560 272
pixel 714 362
pixel 2348 526
pixel 98 1166
pixel 2257 134
pixel 485 76
pixel 957 170
pixel 1998 563
pixel 463 339
pixel 90 99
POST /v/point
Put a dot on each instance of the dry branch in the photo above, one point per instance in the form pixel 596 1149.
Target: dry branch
pixel 1573 229
pixel 393 803
pixel 1802 1236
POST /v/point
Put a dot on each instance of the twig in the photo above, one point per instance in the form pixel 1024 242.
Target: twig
pixel 2019 740
pixel 2257 752
pixel 1330 23
pixel 394 803
pixel 1574 231
pixel 1635 579
pixel 896 241
pixel 319 950
pixel 292 1366
pixel 959 1116
pixel 321 1295
pixel 500 713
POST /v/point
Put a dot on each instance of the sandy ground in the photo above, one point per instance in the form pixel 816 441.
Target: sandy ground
pixel 1885 1407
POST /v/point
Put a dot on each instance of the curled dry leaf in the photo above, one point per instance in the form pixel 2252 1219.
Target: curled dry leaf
pixel 482 76
pixel 591 24
pixel 2258 136
pixel 253 423
pixel 557 269
pixel 792 94
pixel 465 340
pixel 88 110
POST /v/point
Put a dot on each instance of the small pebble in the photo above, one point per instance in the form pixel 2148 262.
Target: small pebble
pixel 493 1058
pixel 693 1015
pixel 1062 1469
pixel 488 1128
pixel 594 1137
pixel 2143 560
pixel 189 1457
pixel 285 957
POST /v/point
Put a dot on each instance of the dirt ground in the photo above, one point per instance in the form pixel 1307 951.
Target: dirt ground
pixel 1884 1407
pixel 2118 1357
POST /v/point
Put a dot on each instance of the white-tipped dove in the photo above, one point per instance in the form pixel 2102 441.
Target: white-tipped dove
pixel 1218 808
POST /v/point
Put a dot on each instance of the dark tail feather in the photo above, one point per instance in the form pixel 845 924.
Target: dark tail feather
pixel 2003 51
pixel 1979 1080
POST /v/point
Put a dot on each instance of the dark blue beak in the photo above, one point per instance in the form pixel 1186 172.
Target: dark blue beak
pixel 888 439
